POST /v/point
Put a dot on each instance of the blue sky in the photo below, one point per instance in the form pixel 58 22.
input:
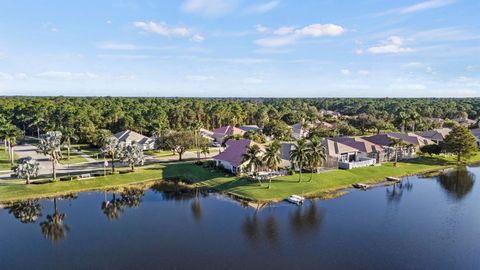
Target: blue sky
pixel 267 48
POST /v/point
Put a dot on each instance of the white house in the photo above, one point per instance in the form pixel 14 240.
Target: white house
pixel 232 158
pixel 131 137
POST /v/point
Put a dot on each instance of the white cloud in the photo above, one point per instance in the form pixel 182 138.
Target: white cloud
pixel 426 5
pixel 197 38
pixel 392 45
pixel 345 71
pixel 318 30
pixel 200 78
pixel 285 30
pixel 262 8
pixel 280 41
pixel 109 22
pixel 289 35
pixel 65 75
pixel 162 29
pixel 2 55
pixel 261 29
pixel 209 8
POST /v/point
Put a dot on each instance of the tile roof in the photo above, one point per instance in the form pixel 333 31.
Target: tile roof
pixel 408 138
pixel 228 130
pixel 233 154
pixel 130 136
pixel 360 144
pixel 436 134
pixel 333 148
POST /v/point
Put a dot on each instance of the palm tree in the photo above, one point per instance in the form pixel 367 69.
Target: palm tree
pixel 10 133
pixel 272 158
pixel 396 144
pixel 110 148
pixel 315 155
pixel 27 168
pixel 403 118
pixel 299 156
pixel 50 146
pixel 414 117
pixel 68 135
pixel 196 130
pixel 253 160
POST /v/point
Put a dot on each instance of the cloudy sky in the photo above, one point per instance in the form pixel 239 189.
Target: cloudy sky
pixel 223 48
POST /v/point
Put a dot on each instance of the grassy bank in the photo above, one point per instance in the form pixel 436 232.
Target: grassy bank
pixel 4 160
pixel 320 185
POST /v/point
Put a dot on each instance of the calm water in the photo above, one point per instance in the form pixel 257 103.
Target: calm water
pixel 430 223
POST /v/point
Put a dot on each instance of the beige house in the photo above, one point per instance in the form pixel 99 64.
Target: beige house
pixel 131 137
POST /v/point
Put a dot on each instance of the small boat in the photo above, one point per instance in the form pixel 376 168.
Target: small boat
pixel 393 179
pixel 361 186
pixel 296 199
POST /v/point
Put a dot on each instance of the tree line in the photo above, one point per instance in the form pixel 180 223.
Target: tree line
pixel 85 119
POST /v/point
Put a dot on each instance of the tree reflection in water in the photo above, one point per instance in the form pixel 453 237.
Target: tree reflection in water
pixel 257 228
pixel 395 192
pixel 307 220
pixel 132 197
pixel 26 212
pixel 53 227
pixel 113 208
pixel 197 207
pixel 457 183
pixel 174 191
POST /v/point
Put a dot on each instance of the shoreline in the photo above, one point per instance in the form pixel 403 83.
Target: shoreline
pixel 238 188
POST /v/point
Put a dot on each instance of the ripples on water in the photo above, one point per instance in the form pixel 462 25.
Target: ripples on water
pixel 418 223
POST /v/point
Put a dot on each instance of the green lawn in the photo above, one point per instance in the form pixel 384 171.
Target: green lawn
pixel 88 150
pixel 4 160
pixel 321 184
pixel 13 192
pixel 159 153
pixel 75 157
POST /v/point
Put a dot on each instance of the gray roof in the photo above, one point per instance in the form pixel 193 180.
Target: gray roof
pixel 132 136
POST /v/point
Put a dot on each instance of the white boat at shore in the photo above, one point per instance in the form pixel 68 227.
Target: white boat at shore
pixel 296 199
pixel 361 186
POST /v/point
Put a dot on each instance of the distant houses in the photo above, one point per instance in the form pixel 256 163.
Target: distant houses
pixel 131 137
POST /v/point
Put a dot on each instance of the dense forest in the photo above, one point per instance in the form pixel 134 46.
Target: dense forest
pixel 89 116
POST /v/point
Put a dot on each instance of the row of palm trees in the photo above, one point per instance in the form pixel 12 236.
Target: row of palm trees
pixel 305 154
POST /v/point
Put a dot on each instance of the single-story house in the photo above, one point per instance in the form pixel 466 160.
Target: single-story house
pixel 409 139
pixel 465 121
pixel 299 131
pixel 131 137
pixel 333 114
pixel 375 151
pixel 436 135
pixel 232 157
pixel 345 157
pixel 220 133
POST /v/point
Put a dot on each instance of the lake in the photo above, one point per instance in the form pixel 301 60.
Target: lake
pixel 419 223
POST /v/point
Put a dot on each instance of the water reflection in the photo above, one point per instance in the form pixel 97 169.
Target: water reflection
pixel 113 208
pixel 258 228
pixel 395 191
pixel 457 183
pixel 132 197
pixel 307 220
pixel 53 228
pixel 26 211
